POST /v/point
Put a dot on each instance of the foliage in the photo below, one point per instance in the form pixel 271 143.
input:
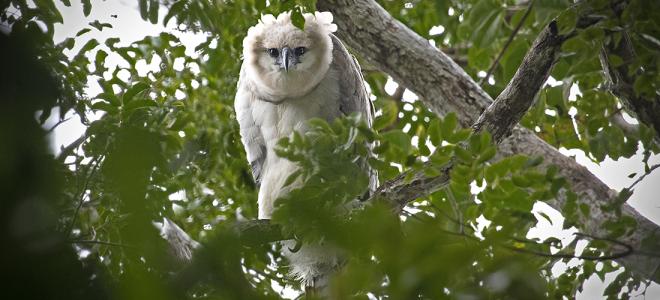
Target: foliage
pixel 173 132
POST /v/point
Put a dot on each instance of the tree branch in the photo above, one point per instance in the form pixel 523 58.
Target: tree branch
pixel 66 151
pixel 444 87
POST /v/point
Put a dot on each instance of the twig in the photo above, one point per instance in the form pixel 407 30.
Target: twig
pixel 643 175
pixel 82 196
pixel 57 124
pixel 648 282
pixel 99 243
pixel 69 149
pixel 507 44
pixel 629 250
pixel 617 119
pixel 455 208
pixel 457 222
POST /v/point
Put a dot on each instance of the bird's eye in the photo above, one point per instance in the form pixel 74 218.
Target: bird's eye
pixel 300 51
pixel 273 52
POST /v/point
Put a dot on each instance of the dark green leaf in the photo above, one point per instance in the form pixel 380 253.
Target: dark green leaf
pixel 153 11
pixel 132 91
pixel 87 7
pixel 297 19
pixel 83 31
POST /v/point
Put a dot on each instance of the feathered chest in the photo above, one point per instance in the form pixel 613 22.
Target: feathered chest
pixel 280 120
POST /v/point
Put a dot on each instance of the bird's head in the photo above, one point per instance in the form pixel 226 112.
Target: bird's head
pixel 285 61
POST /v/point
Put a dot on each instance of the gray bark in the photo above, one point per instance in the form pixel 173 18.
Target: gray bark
pixel 444 87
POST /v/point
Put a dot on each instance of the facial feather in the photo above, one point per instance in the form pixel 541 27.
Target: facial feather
pixel 272 82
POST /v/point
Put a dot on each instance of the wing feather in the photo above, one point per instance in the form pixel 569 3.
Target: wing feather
pixel 354 96
pixel 251 136
pixel 353 93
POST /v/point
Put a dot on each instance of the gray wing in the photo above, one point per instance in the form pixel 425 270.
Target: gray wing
pixel 354 96
pixel 251 136
pixel 353 93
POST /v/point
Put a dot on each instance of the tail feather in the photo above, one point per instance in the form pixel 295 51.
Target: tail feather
pixel 314 264
pixel 181 244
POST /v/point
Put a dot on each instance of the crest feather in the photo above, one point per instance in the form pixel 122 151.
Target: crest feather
pixel 320 22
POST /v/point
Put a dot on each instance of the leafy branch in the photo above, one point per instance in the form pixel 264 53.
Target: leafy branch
pixel 507 43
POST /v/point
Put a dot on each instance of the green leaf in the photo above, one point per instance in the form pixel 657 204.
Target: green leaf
pixel 176 9
pixel 585 210
pixel 69 43
pixel 153 11
pixel 110 97
pixel 111 42
pixel 297 19
pixel 521 181
pixel 519 201
pixel 292 178
pixel 475 143
pixel 533 162
pixel 459 136
pixel 492 32
pixel 434 132
pixel 463 154
pixel 390 112
pixel 398 139
pixel 98 25
pixel 144 9
pixel 644 85
pixel 99 61
pixel 139 103
pixel 104 106
pixel 83 31
pixel 487 155
pixel 567 21
pixel 132 91
pixel 91 44
pixel 448 125
pixel 87 7
pixel 615 60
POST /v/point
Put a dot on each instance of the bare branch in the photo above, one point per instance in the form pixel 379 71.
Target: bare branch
pixel 60 122
pixel 66 151
pixel 100 243
pixel 651 169
pixel 617 119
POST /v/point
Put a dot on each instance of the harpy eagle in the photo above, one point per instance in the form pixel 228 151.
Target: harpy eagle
pixel 289 76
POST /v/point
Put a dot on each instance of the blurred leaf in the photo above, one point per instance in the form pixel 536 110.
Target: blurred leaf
pixel 87 7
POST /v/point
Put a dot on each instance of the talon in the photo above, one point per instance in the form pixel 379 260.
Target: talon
pixel 297 247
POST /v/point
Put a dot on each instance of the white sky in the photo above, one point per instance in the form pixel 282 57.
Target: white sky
pixel 130 27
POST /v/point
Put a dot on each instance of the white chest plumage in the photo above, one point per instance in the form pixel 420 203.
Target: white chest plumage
pixel 277 121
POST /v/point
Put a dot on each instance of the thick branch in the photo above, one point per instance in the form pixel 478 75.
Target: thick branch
pixel 498 119
pixel 257 232
pixel 444 87
pixel 518 96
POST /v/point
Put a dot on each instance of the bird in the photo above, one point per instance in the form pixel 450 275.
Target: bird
pixel 289 76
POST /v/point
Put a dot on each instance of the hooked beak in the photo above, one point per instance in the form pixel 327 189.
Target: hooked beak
pixel 287 58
